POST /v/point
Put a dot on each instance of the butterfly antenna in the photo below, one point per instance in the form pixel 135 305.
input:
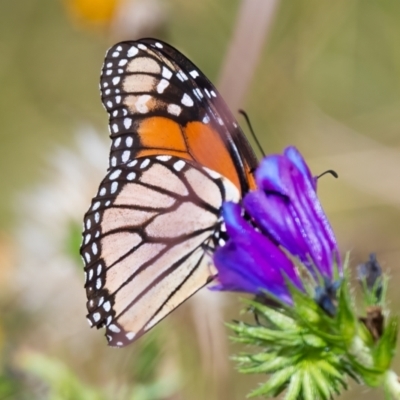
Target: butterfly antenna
pixel 246 117
pixel 329 171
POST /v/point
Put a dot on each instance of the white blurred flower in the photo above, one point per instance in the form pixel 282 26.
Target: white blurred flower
pixel 138 18
pixel 49 278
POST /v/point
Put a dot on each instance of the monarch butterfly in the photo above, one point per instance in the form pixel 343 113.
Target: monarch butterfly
pixel 177 154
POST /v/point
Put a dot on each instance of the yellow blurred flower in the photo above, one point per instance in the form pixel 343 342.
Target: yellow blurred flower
pixel 121 19
pixel 93 12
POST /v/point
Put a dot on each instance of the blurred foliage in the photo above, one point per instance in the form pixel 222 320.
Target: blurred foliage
pixel 73 242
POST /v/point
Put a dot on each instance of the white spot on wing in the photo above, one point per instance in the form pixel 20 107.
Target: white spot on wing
pixel 114 328
pixel 197 93
pixel 179 165
pixel 96 317
pixel 166 73
pixel 127 123
pixel 194 74
pixel 187 100
pixel 129 141
pixel 122 62
pixel 182 76
pixel 130 335
pixel 132 51
pixel 206 119
pixel 159 45
pixel 116 80
pixel 163 158
pixel 115 174
pixel 145 163
pixel 114 187
pixel 131 176
pixel 174 109
pixel 132 163
pixel 141 103
pixel 107 306
pixel 125 156
pixel 162 85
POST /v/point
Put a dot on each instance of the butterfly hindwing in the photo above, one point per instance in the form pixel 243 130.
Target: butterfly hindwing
pixel 159 102
pixel 146 241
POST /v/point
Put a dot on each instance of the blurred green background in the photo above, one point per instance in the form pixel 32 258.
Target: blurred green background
pixel 327 80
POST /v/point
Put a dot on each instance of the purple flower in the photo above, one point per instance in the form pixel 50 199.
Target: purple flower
pixel 284 216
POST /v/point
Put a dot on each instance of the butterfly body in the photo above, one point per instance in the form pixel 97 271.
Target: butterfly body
pixel 177 154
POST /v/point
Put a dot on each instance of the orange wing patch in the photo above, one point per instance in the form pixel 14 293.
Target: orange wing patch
pixel 196 141
pixel 161 133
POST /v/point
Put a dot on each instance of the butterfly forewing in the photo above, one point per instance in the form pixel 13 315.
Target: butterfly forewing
pixel 147 240
pixel 160 102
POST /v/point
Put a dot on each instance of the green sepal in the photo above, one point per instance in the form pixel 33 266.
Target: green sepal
pixel 276 384
pixel 365 335
pixel 276 363
pixel 347 320
pixel 277 318
pixel 385 348
pixel 294 387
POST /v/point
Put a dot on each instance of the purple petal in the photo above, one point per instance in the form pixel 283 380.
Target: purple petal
pixel 250 262
pixel 297 159
pixel 286 206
